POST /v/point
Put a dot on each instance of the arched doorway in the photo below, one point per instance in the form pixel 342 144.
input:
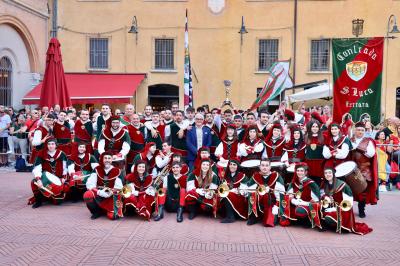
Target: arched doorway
pixel 15 56
pixel 5 81
pixel 162 96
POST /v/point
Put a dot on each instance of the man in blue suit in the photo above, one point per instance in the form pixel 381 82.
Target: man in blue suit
pixel 197 137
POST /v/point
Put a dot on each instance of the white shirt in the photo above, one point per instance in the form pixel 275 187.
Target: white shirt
pixel 91 183
pixel 199 137
pixel 5 122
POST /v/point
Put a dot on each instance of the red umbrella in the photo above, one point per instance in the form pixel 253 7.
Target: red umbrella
pixel 54 88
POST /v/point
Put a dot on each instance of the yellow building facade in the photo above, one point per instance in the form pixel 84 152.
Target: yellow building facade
pixel 218 52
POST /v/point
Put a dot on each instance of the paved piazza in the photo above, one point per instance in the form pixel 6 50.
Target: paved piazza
pixel 65 235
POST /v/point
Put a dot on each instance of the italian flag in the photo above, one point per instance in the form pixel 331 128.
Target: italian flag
pixel 275 85
pixel 357 77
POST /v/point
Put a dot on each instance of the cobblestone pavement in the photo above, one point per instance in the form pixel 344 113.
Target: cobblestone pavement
pixel 65 235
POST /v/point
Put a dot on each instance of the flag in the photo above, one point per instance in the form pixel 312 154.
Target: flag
pixel 357 77
pixel 187 80
pixel 275 85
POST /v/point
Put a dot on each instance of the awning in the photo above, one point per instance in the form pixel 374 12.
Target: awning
pixel 319 92
pixel 95 88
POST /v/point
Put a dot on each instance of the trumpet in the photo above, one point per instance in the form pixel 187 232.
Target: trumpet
pixel 223 190
pixel 126 191
pixel 345 205
pixel 326 202
pixel 160 192
pixel 159 179
pixel 260 190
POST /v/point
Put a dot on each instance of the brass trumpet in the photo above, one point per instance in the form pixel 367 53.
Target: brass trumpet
pixel 345 205
pixel 326 202
pixel 223 190
pixel 159 179
pixel 160 192
pixel 298 194
pixel 260 190
pixel 126 191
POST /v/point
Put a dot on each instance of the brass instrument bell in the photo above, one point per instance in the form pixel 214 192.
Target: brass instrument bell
pixel 345 205
pixel 223 190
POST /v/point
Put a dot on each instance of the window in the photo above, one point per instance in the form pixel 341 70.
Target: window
pixel 319 60
pixel 5 81
pixel 267 53
pixel 98 53
pixel 164 54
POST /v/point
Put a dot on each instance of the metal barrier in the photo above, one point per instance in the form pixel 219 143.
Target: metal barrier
pixel 17 147
pixel 387 154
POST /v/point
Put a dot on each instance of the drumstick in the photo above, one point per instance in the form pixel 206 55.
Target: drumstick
pixel 81 177
pixel 44 188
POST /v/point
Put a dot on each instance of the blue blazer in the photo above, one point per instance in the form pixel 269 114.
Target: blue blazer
pixel 191 141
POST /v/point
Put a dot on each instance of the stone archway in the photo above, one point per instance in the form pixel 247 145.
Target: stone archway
pixel 27 38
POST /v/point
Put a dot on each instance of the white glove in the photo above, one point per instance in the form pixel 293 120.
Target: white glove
pixel 275 210
pixel 150 191
pixel 234 190
pixel 135 193
pixel 244 193
pixel 200 191
pixel 303 203
pixel 222 160
pixel 331 209
pixel 295 201
pixel 103 193
pixel 208 195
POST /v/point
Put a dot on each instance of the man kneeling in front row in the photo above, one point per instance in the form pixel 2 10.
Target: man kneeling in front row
pixel 103 187
pixel 50 173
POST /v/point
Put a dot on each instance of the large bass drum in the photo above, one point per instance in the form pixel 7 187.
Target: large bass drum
pixel 349 172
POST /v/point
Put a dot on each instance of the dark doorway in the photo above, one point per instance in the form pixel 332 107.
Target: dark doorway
pixel 161 96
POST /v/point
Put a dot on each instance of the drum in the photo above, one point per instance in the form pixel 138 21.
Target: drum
pixel 349 173
pixel 290 169
pixel 119 162
pixel 52 185
pixel 79 178
pixel 222 164
pixel 250 167
pixel 250 163
pixel 277 165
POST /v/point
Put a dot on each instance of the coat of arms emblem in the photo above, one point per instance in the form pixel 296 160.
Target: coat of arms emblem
pixel 216 6
pixel 356 70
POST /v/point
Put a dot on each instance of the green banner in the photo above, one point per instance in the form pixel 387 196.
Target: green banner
pixel 357 77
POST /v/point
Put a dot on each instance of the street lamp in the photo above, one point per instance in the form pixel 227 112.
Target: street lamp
pixel 242 31
pixel 392 20
pixel 134 28
pixel 358 25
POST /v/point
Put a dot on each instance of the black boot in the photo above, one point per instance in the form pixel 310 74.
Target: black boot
pixel 361 209
pixel 192 211
pixel 38 201
pixel 160 214
pixel 252 220
pixel 74 195
pixel 94 210
pixel 179 214
pixel 230 215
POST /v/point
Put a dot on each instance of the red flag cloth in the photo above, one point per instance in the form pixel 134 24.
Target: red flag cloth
pixel 54 88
